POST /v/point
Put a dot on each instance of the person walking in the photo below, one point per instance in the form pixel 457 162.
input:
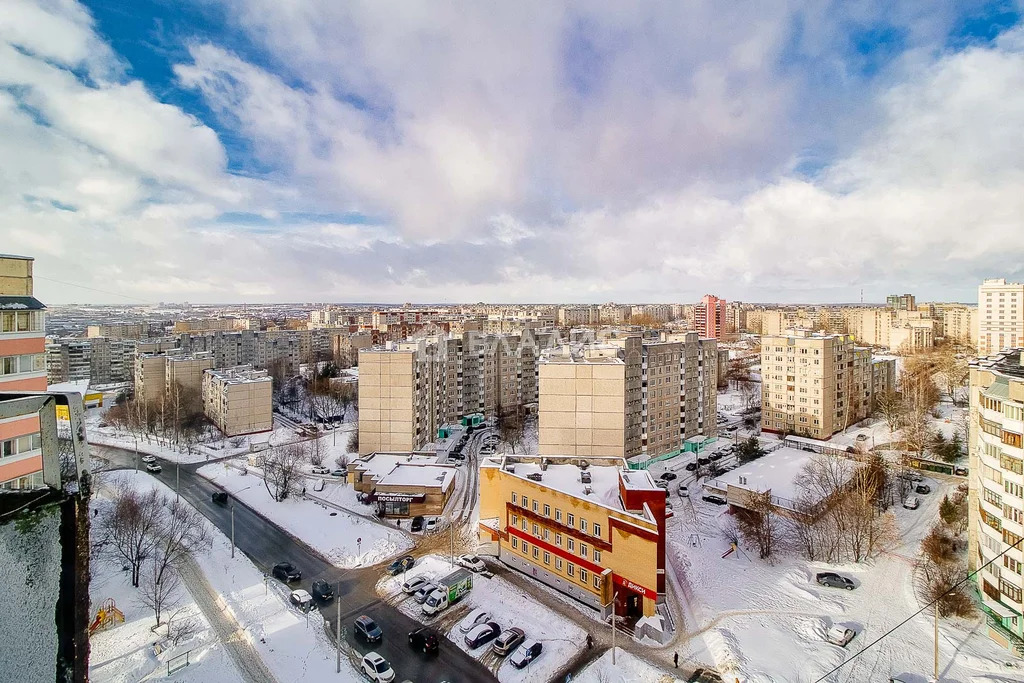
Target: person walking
pixel 675 659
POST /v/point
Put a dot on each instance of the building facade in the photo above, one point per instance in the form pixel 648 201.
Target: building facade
pixel 22 368
pixel 710 317
pixel 99 360
pixel 238 400
pixel 588 527
pixel 901 302
pixel 996 492
pixel 119 330
pixel 157 374
pixel 1000 316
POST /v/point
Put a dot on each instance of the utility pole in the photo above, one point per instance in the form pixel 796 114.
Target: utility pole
pixel 451 542
pixel 177 480
pixel 935 673
pixel 337 625
pixel 615 596
pixel 233 531
pixel 136 454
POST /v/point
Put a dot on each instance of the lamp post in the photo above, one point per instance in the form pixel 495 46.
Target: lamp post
pixel 337 625
pixel 136 454
pixel 615 596
pixel 233 535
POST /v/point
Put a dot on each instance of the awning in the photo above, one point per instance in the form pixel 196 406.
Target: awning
pixel 1000 609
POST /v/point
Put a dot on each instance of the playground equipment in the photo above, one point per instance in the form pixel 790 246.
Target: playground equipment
pixel 107 615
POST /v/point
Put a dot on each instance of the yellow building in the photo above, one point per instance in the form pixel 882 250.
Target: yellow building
pixel 590 528
pixel 238 400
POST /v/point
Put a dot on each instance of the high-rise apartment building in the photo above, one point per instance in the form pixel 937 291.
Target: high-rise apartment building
pixel 157 374
pixel 99 360
pixel 816 384
pixel 901 302
pixel 996 492
pixel 238 400
pixel 22 368
pixel 627 397
pixel 120 330
pixel 1000 316
pixel 710 317
pixel 409 389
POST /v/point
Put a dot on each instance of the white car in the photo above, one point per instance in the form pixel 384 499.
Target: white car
pixel 301 599
pixel 912 503
pixel 376 668
pixel 320 469
pixel 149 458
pixel 153 467
pixel 684 491
pixel 414 584
pixel 431 525
pixel 471 562
pixel 839 635
pixel 474 618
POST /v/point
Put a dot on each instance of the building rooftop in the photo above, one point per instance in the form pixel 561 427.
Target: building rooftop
pixel 777 471
pixel 20 303
pixel 413 474
pixel 1009 363
pixel 380 464
pixel 240 374
pixel 20 258
pixel 594 353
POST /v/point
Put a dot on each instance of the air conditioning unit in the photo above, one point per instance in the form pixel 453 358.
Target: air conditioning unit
pixel 535 476
pixel 587 490
pixel 585 477
pixel 510 468
pixel 584 464
pixel 544 464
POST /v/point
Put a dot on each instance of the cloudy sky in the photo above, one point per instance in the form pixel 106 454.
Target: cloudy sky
pixel 317 150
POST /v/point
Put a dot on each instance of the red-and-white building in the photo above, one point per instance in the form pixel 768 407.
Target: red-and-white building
pixel 709 317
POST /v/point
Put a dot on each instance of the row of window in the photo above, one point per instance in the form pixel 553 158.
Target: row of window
pixel 21 321
pixel 20 445
pixel 570 569
pixel 570 518
pixel 570 542
pixel 28 482
pixel 28 362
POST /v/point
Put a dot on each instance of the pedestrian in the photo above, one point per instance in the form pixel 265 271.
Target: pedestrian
pixel 590 642
pixel 675 659
pixel 303 490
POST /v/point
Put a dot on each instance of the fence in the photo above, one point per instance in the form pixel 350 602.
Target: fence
pixel 178 662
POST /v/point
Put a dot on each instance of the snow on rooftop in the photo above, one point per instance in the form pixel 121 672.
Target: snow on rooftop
pixel 379 464
pixel 777 471
pixel 405 474
pixel 78 386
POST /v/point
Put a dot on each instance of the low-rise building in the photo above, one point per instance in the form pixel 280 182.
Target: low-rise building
pixel 403 484
pixel 588 527
pixel 239 400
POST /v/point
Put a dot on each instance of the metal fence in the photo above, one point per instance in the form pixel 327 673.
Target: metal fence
pixel 178 662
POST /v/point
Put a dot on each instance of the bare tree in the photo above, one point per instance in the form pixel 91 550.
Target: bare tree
pixel 750 393
pixel 511 428
pixel 182 624
pixel 953 372
pixel 281 469
pixel 760 523
pixel 130 526
pixel 181 532
pixel 889 405
pixel 316 451
pixel 353 442
pixel 158 590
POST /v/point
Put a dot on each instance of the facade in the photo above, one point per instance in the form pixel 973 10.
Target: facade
pixel 119 330
pixel 901 302
pixel 627 397
pixel 1000 316
pixel 238 400
pixel 960 323
pixel 403 484
pixel 996 492
pixel 22 368
pixel 99 360
pixel 156 374
pixel 261 349
pixel 710 317
pixel 590 528
pixel 816 384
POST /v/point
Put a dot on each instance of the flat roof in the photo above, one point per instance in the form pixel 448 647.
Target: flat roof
pixel 777 471
pixel 432 476
pixel 380 464
pixel 21 258
pixel 21 303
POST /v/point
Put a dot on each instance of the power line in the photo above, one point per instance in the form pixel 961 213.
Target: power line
pixel 101 291
pixel 890 631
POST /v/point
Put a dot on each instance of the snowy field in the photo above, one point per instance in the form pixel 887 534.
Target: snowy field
pixel 285 641
pixel 562 639
pixel 766 623
pixel 627 669
pixel 333 535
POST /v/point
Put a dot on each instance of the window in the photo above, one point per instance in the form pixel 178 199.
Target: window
pixel 597 581
pixel 1012 564
pixel 558 515
pixel 29 362
pixel 1006 588
pixel 525 501
pixel 570 543
pixel 547 510
pixel 558 564
pixel 571 570
pixel 583 525
pixel 546 536
pixel 597 555
pixel 547 558
pixel 1009 538
pixel 583 575
pixel 583 549
pixel 571 519
pixel 535 506
pixel 515 542
pixel 558 540
pixel 514 499
pixel 19 445
pixel 536 530
pixel 536 552
pixel 523 521
pixel 526 547
pixel 515 520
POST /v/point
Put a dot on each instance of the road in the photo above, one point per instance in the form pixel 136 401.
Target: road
pixel 266 544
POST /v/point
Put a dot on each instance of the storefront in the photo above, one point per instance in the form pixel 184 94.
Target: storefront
pixel 403 484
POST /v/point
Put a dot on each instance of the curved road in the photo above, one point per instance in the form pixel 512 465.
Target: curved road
pixel 266 544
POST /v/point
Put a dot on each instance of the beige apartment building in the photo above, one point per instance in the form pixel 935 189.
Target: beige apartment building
pixel 397 397
pixel 627 397
pixel 816 384
pixel 119 330
pixel 238 400
pixel 156 374
pixel 1000 316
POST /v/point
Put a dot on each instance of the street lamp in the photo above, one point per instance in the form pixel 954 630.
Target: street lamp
pixel 233 534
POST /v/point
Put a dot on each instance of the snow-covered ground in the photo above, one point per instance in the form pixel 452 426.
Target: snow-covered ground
pixel 335 534
pixel 766 623
pixel 627 669
pixel 286 642
pixel 562 640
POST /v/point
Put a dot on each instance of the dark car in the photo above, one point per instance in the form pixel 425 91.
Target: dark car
pixel 712 498
pixel 367 629
pixel 526 653
pixel 833 580
pixel 668 476
pixel 287 572
pixel 220 497
pixel 400 565
pixel 691 466
pixel 424 640
pixel 322 590
pixel 482 634
pixel 417 523
pixel 716 456
pixel 703 461
pixel 923 488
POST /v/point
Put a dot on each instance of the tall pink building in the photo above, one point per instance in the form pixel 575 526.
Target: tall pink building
pixel 709 317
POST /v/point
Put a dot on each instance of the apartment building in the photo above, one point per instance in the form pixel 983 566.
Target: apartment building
pixel 211 325
pixel 1000 316
pixel 570 316
pixel 960 323
pixel 710 317
pixel 345 346
pixel 22 368
pixel 901 302
pixel 156 374
pixel 99 360
pixel 409 389
pixel 119 330
pixel 238 400
pixel 627 397
pixel 816 384
pixel 588 527
pixel 996 493
pixel 259 348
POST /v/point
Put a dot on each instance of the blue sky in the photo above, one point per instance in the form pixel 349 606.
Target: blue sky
pixel 252 150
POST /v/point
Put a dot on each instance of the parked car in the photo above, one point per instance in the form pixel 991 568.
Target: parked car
pixel 526 653
pixel 149 458
pixel 913 476
pixel 923 489
pixel 474 618
pixel 471 562
pixel 661 483
pixel 417 523
pixel 376 668
pixel 684 491
pixel 668 476
pixel 691 466
pixel 367 628
pixel 154 468
pixel 220 497
pixel 320 469
pixel 415 583
pixel 714 499
pixel 833 580
pixel 286 571
pixel 912 503
pixel 400 565
pixel 703 461
pixel 508 641
pixel 301 599
pixel 339 473
pixel 423 592
pixel 431 525
pixel 839 635
pixel 322 590
pixel 481 634
pixel 424 640
pixel 715 457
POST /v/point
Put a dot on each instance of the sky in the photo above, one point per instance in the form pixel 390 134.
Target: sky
pixel 315 150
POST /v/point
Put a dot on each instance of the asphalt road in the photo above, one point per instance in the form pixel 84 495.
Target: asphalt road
pixel 266 544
